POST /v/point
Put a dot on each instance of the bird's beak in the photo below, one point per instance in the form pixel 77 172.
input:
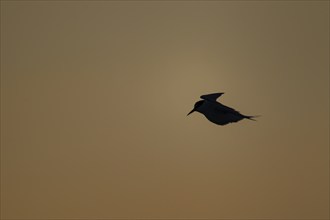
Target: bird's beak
pixel 191 112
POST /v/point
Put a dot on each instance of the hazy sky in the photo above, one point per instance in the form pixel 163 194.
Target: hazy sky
pixel 94 97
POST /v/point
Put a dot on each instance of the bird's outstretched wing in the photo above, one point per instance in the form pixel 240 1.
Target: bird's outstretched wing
pixel 225 109
pixel 212 97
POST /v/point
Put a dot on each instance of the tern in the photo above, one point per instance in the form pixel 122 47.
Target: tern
pixel 216 112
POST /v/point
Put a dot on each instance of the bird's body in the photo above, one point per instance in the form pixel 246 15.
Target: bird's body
pixel 217 112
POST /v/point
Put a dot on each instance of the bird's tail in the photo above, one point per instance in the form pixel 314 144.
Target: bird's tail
pixel 251 117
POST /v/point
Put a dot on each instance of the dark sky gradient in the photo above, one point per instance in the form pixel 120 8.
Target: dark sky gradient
pixel 94 97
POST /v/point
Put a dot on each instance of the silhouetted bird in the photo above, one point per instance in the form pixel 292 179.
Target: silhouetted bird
pixel 217 112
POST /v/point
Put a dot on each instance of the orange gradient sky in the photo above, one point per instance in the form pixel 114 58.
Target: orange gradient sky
pixel 94 97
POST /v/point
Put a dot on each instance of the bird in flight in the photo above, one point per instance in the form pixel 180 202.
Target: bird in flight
pixel 216 112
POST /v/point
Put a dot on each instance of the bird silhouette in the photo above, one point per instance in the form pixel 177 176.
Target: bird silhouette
pixel 216 112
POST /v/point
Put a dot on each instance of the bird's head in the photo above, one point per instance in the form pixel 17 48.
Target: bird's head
pixel 196 106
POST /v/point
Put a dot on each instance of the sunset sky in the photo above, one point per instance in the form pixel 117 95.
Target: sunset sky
pixel 94 98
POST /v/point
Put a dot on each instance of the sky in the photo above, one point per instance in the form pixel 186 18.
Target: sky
pixel 94 98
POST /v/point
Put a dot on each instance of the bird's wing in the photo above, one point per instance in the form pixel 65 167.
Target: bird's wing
pixel 225 109
pixel 212 97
